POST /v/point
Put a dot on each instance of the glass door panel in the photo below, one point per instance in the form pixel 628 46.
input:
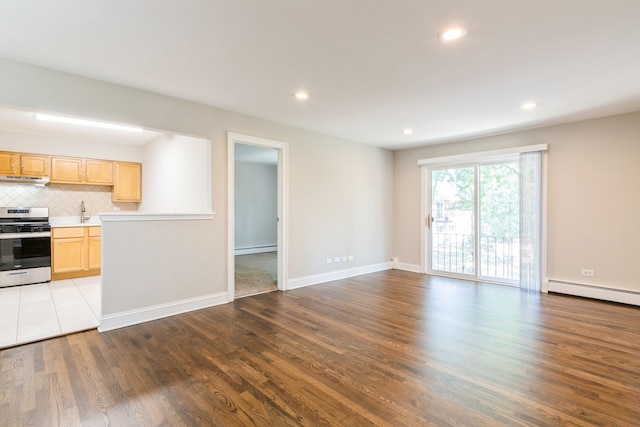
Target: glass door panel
pixel 452 223
pixel 499 221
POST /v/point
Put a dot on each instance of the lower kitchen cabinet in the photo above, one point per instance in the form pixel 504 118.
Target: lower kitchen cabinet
pixel 75 252
pixel 94 258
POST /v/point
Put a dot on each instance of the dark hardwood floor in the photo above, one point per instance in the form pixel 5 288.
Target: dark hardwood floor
pixel 389 349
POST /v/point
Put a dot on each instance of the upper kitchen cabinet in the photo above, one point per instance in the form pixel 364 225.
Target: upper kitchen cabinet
pixel 71 170
pixel 98 172
pixel 34 165
pixel 127 183
pixel 8 163
pixel 20 164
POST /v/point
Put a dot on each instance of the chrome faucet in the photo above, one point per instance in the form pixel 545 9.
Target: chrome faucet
pixel 83 218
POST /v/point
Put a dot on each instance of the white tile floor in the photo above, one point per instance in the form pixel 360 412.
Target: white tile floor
pixel 34 312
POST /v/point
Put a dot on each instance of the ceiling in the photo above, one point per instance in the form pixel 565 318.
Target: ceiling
pixel 371 67
pixel 22 121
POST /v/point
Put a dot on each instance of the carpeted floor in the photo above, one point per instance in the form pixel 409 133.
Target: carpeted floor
pixel 256 274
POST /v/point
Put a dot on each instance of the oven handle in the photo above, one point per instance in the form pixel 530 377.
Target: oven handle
pixel 20 273
pixel 4 236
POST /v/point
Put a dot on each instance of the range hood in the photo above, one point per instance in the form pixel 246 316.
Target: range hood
pixel 38 181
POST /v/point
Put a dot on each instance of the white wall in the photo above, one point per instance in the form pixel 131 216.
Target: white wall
pixel 157 269
pixel 176 175
pixel 593 202
pixel 340 192
pixel 256 205
pixel 55 145
pixel 341 204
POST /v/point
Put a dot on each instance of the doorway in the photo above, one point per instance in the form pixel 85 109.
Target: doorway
pixel 257 215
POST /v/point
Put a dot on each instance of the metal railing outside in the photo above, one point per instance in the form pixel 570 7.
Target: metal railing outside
pixel 499 257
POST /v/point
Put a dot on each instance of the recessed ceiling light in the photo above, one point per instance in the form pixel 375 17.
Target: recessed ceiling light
pixel 83 122
pixel 530 105
pixel 302 95
pixel 453 33
pixel 407 131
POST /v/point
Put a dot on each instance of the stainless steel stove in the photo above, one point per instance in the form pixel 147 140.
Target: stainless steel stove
pixel 25 246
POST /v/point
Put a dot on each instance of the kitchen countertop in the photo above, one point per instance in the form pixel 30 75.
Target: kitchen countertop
pixel 74 221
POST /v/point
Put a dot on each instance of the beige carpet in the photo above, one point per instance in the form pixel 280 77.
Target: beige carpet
pixel 256 274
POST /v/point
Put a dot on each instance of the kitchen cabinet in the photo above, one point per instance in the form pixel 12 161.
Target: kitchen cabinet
pixel 75 251
pixel 127 182
pixel 7 163
pixel 21 164
pixel 94 258
pixel 71 170
pixel 124 177
pixel 99 172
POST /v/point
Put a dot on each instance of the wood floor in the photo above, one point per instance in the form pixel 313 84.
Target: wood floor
pixel 385 349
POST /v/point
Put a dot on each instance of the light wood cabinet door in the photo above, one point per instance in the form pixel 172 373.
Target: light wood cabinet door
pixel 127 183
pixel 95 254
pixel 66 170
pixel 34 165
pixel 68 254
pixel 98 172
pixel 9 163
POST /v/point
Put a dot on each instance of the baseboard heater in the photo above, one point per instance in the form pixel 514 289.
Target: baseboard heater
pixel 596 292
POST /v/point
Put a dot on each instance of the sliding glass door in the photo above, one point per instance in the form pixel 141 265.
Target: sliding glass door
pixel 473 220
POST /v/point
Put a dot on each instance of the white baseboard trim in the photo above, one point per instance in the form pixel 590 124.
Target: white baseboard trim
pixel 595 292
pixel 256 250
pixel 301 282
pixel 146 314
pixel 544 286
pixel 408 267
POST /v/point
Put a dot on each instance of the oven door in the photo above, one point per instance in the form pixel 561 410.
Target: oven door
pixel 25 258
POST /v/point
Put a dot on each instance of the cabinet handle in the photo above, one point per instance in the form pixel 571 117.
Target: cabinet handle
pixel 13 168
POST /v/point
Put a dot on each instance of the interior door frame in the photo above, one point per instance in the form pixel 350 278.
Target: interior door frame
pixel 283 204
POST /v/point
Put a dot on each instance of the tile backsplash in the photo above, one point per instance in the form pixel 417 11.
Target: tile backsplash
pixel 62 199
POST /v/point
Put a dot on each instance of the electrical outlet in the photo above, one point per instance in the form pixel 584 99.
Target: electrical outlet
pixel 587 272
pixel 336 259
pixel 344 259
pixel 328 260
pixel 350 258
